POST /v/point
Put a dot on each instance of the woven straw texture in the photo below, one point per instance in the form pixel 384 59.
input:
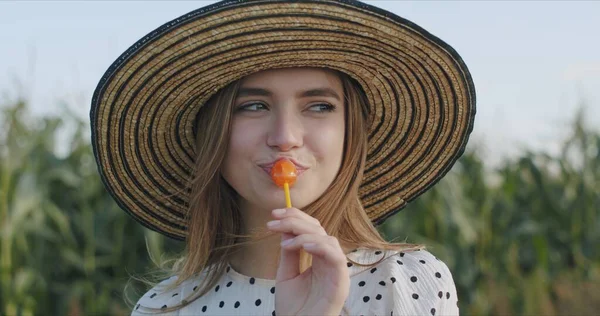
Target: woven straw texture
pixel 421 95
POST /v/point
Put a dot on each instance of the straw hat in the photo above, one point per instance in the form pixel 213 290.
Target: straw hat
pixel 421 95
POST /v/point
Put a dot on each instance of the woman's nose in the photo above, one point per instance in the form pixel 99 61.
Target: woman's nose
pixel 285 132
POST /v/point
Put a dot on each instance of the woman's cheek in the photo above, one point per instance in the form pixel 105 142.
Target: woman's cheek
pixel 329 137
pixel 244 135
pixel 327 146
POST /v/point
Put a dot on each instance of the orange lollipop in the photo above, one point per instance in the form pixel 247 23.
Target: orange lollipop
pixel 284 175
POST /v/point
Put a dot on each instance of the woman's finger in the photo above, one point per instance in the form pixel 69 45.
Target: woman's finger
pixel 289 262
pixel 297 242
pixel 295 226
pixel 294 212
pixel 326 251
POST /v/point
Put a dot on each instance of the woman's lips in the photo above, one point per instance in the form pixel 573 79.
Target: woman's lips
pixel 267 167
pixel 299 166
pixel 298 171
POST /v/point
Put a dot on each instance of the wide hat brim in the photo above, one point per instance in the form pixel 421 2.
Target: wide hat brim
pixel 421 95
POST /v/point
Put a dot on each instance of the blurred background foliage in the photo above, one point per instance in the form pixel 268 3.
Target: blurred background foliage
pixel 522 238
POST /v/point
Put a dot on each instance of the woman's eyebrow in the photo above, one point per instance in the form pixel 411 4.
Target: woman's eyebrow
pixel 319 92
pixel 324 92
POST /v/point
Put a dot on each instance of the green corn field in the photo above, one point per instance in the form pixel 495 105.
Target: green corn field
pixel 522 238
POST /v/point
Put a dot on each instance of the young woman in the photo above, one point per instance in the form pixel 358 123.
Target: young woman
pixel 371 110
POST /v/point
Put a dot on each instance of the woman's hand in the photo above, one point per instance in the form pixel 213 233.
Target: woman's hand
pixel 323 288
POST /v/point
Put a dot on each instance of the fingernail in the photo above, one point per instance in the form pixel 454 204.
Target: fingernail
pixel 309 245
pixel 279 211
pixel 273 223
pixel 287 242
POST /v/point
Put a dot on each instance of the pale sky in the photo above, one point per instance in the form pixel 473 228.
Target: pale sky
pixel 532 62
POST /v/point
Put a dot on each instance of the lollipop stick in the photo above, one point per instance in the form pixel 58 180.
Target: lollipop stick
pixel 286 190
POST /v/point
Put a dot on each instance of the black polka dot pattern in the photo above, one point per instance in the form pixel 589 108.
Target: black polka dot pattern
pixel 410 279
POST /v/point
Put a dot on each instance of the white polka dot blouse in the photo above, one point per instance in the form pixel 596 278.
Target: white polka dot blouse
pixel 404 283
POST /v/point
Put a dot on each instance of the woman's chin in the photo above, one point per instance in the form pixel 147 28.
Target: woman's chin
pixel 272 197
pixel 279 202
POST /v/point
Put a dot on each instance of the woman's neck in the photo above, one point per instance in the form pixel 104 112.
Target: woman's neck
pixel 257 259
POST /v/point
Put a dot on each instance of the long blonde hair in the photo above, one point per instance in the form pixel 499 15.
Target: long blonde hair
pixel 215 222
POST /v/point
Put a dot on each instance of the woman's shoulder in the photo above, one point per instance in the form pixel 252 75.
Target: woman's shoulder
pixel 160 297
pixel 419 265
pixel 412 261
pixel 419 261
pixel 404 282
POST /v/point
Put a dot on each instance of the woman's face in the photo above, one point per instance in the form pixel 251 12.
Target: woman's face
pixel 295 113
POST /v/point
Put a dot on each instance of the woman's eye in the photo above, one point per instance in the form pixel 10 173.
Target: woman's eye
pixel 322 107
pixel 252 107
